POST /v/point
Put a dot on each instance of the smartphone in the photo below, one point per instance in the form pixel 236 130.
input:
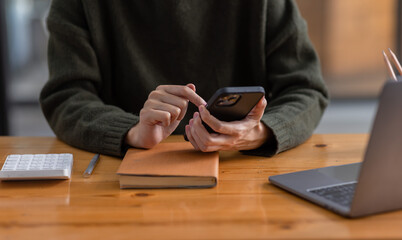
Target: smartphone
pixel 233 103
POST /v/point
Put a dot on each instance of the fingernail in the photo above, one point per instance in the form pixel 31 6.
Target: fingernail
pixel 201 108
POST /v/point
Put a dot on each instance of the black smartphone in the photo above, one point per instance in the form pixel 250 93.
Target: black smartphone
pixel 233 103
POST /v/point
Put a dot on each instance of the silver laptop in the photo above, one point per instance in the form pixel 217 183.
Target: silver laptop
pixel 360 189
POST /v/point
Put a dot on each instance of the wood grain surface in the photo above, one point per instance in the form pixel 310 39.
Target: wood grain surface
pixel 243 205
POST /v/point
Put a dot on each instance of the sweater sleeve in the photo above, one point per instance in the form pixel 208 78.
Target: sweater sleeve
pixel 297 96
pixel 70 99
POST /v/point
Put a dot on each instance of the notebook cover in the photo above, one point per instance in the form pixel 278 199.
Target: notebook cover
pixel 170 159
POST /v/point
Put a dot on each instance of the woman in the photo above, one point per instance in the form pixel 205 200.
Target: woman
pixel 130 73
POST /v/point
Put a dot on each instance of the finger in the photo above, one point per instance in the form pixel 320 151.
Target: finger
pixel 204 139
pixel 212 141
pixel 217 125
pixel 164 97
pixel 155 117
pixel 174 111
pixel 192 131
pixel 191 125
pixel 185 92
pixel 196 139
pixel 192 86
pixel 209 142
pixel 190 137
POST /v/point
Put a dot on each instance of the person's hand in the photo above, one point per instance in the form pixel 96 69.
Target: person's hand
pixel 246 134
pixel 161 114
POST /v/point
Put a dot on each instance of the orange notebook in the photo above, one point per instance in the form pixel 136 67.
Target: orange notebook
pixel 169 165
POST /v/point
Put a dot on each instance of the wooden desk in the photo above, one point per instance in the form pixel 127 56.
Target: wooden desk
pixel 243 205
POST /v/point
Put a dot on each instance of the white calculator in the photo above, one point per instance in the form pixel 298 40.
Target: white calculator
pixel 37 166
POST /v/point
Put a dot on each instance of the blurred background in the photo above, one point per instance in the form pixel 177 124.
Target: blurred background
pixel 348 35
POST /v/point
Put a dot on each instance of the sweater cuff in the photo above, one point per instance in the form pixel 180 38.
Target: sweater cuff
pixel 114 134
pixel 279 142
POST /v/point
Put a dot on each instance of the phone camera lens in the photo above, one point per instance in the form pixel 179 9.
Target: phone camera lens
pixel 228 100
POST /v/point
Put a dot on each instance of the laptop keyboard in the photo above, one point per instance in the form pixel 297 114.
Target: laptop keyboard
pixel 341 194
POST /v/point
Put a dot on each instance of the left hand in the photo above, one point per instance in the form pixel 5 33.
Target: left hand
pixel 246 134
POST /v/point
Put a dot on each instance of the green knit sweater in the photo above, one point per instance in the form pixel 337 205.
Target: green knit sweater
pixel 105 57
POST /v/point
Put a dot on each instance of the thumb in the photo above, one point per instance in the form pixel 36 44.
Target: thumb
pixel 258 110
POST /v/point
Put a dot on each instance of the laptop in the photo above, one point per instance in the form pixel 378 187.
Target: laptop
pixel 359 189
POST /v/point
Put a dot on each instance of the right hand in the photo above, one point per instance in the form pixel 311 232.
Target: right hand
pixel 162 112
